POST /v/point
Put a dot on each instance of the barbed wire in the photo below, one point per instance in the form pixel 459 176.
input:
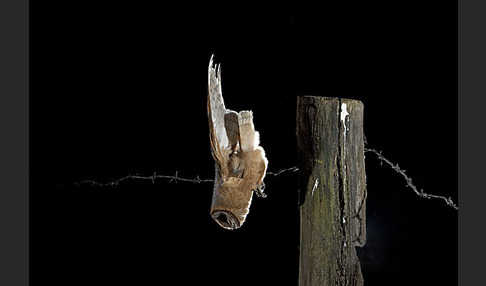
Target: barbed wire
pixel 172 179
pixel 197 180
pixel 409 182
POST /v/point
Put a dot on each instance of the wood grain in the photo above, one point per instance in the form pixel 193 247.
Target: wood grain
pixel 332 194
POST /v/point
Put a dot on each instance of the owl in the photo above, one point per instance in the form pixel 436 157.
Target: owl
pixel 240 163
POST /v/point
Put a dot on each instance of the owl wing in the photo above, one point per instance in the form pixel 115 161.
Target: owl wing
pixel 223 132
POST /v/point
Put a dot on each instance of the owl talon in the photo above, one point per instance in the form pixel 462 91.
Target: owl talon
pixel 259 191
pixel 245 117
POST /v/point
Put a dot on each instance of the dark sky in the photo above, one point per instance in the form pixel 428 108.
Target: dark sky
pixel 120 88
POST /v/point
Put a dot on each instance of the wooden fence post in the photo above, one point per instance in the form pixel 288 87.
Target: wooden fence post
pixel 332 193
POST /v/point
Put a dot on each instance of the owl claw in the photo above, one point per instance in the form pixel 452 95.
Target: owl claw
pixel 245 117
pixel 259 191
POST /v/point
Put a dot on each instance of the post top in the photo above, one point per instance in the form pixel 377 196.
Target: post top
pixel 311 98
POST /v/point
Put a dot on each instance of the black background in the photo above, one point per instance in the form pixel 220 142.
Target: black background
pixel 120 88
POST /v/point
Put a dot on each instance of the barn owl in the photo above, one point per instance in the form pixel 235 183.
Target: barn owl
pixel 240 163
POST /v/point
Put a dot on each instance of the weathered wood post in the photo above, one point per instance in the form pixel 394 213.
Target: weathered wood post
pixel 332 193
